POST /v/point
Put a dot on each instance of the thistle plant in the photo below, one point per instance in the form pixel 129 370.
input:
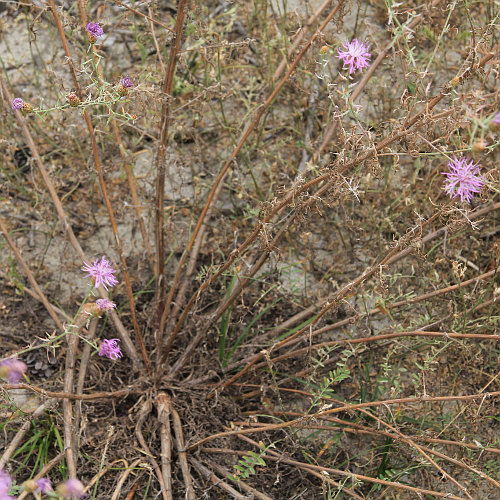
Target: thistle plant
pixel 259 244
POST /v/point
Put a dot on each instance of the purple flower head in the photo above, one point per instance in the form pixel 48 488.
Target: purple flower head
pixel 126 82
pixel 12 370
pixel 110 349
pixel 355 55
pixel 463 179
pixel 5 481
pixel 17 103
pixel 71 489
pixel 102 272
pixel 44 485
pixel 94 30
pixel 105 304
pixel 495 120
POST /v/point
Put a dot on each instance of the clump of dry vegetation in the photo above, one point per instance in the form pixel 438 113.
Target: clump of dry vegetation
pixel 306 306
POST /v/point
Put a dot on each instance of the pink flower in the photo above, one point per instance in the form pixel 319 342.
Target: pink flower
pixel 94 30
pixel 126 82
pixel 17 103
pixel 355 55
pixel 102 272
pixel 110 349
pixel 5 483
pixel 464 179
pixel 105 304
pixel 12 370
pixel 44 485
pixel 71 489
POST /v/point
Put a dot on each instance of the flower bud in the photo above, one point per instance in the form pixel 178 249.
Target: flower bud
pixel 73 99
pixel 479 146
pixel 92 309
pixel 495 123
pixel 27 108
pixel 121 90
pixel 30 486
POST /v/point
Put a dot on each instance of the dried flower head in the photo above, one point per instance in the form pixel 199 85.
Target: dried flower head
pixel 71 489
pixel 355 55
pixel 110 349
pixel 94 31
pixel 30 486
pixel 495 123
pixel 105 304
pixel 17 103
pixel 73 99
pixel 479 146
pixel 12 370
pixel 463 179
pixel 102 272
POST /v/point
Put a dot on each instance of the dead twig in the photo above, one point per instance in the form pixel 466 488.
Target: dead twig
pixel 244 486
pixel 160 163
pixel 71 396
pixel 143 414
pixel 179 442
pixel 376 338
pixel 163 409
pixel 82 372
pixel 69 423
pixel 204 471
pixel 129 468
